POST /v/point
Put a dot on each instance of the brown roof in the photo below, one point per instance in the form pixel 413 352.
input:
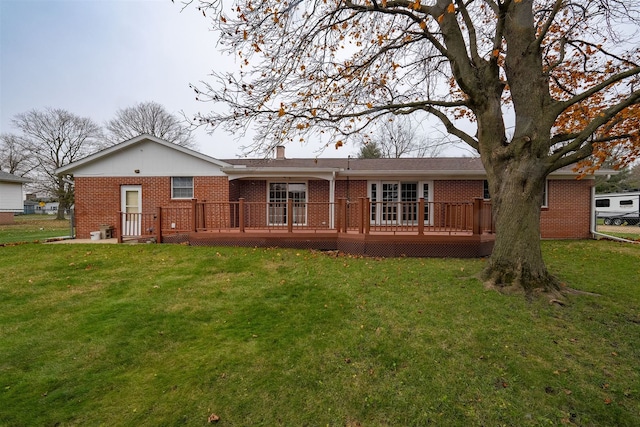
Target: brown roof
pixel 404 164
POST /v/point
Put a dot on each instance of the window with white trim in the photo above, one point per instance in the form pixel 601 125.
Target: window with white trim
pixel 182 187
pixel 394 202
pixel 279 193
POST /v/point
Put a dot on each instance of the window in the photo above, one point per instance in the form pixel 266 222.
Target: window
pixel 279 193
pixel 485 190
pixel 389 201
pixel 182 187
pixel 626 202
pixel 603 203
pixel 395 202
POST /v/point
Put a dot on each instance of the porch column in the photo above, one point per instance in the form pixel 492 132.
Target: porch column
pixel 332 201
pixel 421 216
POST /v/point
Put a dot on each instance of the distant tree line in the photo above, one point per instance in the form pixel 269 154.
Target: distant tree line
pixel 51 138
pixel 627 179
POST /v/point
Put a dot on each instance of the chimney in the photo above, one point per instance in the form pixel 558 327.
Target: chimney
pixel 280 152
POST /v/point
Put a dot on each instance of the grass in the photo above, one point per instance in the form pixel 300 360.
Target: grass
pixel 151 335
pixel 33 228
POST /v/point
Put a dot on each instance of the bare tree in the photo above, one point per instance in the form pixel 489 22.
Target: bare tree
pixel 563 76
pixel 398 137
pixel 150 118
pixel 13 158
pixel 54 138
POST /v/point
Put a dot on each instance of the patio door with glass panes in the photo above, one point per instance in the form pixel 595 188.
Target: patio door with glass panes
pixel 131 208
pixel 279 193
pixel 397 202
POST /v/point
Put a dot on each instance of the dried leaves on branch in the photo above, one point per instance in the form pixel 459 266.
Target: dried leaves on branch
pixel 531 85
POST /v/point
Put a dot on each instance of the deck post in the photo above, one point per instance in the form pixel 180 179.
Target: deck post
pixel 421 216
pixel 366 208
pixel 477 216
pixel 194 216
pixel 241 214
pixel 363 216
pixel 120 228
pixel 290 215
pixel 159 225
pixel 345 214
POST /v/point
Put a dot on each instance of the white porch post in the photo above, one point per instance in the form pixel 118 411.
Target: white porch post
pixel 332 200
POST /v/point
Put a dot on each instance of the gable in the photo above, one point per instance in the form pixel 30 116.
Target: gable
pixel 145 156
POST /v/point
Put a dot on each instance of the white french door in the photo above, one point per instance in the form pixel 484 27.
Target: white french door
pixel 396 202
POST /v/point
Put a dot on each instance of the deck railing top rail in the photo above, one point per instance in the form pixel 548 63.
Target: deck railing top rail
pixel 361 216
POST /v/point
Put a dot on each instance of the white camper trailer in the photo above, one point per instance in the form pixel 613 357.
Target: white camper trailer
pixel 618 208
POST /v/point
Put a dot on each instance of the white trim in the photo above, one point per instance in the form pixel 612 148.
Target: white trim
pixel 288 182
pixel 420 194
pixel 192 188
pixel 131 224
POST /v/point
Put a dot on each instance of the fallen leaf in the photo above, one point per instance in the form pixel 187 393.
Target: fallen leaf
pixel 213 418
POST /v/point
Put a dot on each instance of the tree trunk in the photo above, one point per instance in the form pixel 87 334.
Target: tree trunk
pixel 62 208
pixel 516 263
pixel 63 197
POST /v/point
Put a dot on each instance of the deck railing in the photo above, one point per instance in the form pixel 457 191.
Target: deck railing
pixel 136 226
pixel 356 216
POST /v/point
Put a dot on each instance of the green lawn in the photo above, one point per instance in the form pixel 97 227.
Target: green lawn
pixel 164 335
pixel 32 228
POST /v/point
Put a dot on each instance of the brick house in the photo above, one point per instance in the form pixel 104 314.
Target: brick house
pixel 146 173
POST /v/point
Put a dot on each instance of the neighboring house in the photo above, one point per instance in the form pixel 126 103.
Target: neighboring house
pixel 40 205
pixel 146 173
pixel 10 196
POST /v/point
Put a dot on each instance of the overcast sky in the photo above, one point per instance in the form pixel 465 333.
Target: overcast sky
pixel 93 57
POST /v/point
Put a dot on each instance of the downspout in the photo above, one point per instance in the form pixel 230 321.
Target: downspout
pixel 594 221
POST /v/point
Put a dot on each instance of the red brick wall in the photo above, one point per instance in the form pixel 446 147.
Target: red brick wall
pixel 254 193
pixel 97 200
pixel 566 217
pixel 6 218
pixel 457 190
pixel 569 211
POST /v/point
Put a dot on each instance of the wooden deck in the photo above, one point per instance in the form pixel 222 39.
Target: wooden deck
pixel 460 230
pixel 440 245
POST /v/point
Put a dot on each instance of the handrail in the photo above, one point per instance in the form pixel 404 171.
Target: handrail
pixel 360 216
